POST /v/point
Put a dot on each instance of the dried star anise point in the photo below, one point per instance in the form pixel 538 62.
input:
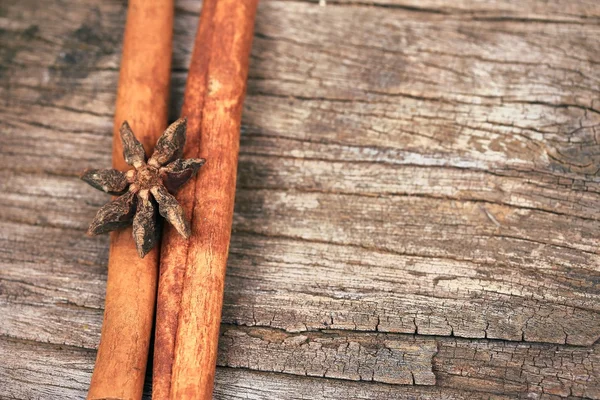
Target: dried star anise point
pixel 141 188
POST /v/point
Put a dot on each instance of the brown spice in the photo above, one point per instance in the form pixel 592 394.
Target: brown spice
pixel 192 273
pixel 142 100
pixel 165 171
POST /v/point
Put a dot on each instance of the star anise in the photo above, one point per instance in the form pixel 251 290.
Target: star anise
pixel 143 186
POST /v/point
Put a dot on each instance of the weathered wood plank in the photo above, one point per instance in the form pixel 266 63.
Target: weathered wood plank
pixel 59 323
pixel 295 276
pixel 51 285
pixel 486 371
pixel 358 357
pixel 406 167
pixel 519 369
pixel 244 384
pixel 531 369
pixel 541 296
pixel 35 370
pixel 30 370
pixel 542 11
pixel 427 177
pixel 414 120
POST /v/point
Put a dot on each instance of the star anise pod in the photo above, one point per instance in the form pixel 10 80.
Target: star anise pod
pixel 145 185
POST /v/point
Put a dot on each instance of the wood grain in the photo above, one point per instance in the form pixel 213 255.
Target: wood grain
pixel 358 357
pixel 333 363
pixel 406 168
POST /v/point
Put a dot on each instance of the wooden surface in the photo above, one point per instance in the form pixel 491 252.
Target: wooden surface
pixel 416 213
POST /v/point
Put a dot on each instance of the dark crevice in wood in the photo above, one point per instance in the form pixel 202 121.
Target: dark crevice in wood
pixel 387 6
pixel 581 21
pixel 511 237
pixel 54 346
pixel 45 224
pixel 449 12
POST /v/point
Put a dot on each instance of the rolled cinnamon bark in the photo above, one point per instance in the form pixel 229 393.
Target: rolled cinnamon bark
pixel 131 286
pixel 192 273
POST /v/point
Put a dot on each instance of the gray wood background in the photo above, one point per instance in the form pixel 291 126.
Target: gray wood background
pixel 417 204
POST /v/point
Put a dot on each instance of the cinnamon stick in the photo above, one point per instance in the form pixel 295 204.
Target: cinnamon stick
pixel 131 286
pixel 192 273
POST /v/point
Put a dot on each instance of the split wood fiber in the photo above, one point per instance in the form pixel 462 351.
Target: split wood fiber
pixel 192 273
pixel 131 286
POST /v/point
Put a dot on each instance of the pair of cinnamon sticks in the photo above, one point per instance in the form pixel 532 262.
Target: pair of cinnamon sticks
pixel 192 272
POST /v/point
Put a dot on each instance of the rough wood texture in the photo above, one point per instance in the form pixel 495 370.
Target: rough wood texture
pixel 405 168
pixel 367 357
